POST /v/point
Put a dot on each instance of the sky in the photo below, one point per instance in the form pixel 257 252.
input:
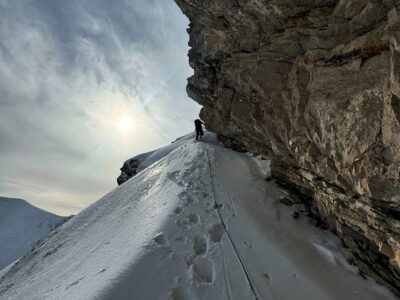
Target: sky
pixel 85 85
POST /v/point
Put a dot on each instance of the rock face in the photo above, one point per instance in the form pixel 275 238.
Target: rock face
pixel 313 86
pixel 129 169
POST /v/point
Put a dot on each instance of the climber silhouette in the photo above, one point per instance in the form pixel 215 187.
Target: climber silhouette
pixel 199 128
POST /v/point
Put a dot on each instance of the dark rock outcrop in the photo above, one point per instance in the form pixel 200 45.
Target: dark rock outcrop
pixel 129 169
pixel 133 166
pixel 313 86
pixel 140 162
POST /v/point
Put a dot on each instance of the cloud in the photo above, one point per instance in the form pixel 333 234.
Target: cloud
pixel 68 71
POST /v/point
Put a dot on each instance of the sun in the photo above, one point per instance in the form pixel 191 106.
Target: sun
pixel 124 124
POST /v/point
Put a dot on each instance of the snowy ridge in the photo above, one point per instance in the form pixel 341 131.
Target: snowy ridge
pixel 140 162
pixel 21 226
pixel 200 223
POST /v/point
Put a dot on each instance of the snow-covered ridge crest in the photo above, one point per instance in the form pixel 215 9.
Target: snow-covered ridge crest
pixel 200 223
pixel 136 164
pixel 82 258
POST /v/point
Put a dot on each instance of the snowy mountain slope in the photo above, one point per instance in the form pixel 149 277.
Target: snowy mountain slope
pixel 21 226
pixel 140 162
pixel 161 235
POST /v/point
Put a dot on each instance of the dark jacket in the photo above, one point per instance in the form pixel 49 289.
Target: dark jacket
pixel 198 124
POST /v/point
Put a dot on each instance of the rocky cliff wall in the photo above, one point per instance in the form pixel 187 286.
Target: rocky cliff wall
pixel 314 86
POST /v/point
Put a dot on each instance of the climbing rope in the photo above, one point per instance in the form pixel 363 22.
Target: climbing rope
pixel 218 207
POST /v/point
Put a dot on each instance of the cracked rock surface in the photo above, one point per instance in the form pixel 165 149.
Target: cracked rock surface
pixel 313 86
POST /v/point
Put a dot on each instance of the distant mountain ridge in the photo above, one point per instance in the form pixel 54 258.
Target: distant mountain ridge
pixel 21 226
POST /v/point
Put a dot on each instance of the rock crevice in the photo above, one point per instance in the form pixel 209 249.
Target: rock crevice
pixel 313 86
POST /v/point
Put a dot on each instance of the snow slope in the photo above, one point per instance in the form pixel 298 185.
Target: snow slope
pixel 21 226
pixel 140 162
pixel 199 223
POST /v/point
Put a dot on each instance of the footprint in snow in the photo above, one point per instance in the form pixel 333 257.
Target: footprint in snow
pixel 204 271
pixel 189 185
pixel 191 220
pixel 267 276
pixel 200 245
pixel 186 199
pixel 204 195
pixel 180 293
pixel 180 239
pixel 216 232
pixel 182 195
pixel 178 210
pixel 161 240
pixel 174 176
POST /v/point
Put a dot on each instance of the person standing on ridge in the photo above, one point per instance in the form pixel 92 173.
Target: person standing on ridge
pixel 199 128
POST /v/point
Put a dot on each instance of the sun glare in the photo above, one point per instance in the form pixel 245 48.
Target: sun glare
pixel 124 124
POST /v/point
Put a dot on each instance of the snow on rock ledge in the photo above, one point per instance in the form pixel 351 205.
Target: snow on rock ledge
pixel 136 164
pixel 131 167
pixel 314 86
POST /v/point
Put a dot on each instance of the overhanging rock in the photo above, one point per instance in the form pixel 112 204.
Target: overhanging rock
pixel 314 86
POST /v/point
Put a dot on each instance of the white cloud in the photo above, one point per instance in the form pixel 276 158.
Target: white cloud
pixel 68 71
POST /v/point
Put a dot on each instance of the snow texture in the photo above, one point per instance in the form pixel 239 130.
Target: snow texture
pixel 21 226
pixel 199 223
pixel 140 162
